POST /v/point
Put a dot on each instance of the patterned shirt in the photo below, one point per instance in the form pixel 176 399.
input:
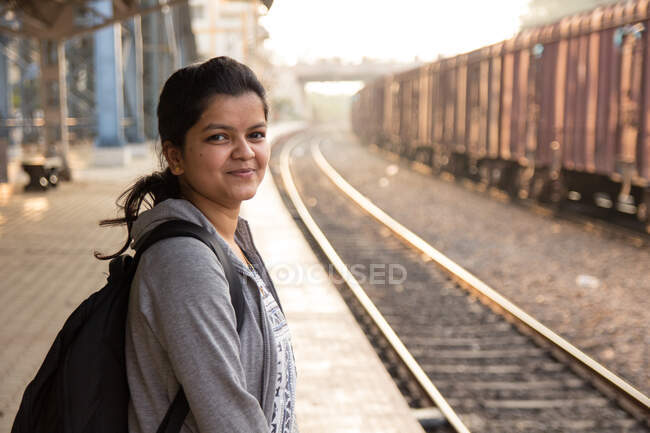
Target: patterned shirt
pixel 284 401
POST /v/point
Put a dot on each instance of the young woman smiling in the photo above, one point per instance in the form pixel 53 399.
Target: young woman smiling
pixel 181 324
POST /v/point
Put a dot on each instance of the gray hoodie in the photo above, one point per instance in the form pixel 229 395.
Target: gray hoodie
pixel 181 327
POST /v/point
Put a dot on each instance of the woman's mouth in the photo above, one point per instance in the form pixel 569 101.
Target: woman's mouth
pixel 244 172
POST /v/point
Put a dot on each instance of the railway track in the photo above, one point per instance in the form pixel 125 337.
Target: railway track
pixel 449 340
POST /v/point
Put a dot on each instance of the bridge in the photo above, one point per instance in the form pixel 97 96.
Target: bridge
pixel 334 70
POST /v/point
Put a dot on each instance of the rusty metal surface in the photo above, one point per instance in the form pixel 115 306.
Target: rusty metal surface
pixel 494 110
pixel 644 130
pixel 473 121
pixel 571 95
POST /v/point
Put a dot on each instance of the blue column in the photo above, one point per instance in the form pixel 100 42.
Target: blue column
pixel 154 61
pixel 109 102
pixel 4 114
pixel 29 99
pixel 133 82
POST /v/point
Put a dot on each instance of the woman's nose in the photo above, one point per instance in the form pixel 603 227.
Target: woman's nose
pixel 242 149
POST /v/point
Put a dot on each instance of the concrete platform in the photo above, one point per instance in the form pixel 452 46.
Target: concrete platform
pixel 47 269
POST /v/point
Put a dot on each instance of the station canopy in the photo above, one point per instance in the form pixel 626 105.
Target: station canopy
pixel 63 19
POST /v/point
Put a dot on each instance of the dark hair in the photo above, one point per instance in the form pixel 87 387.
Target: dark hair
pixel 185 95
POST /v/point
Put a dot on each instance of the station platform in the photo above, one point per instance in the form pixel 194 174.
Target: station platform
pixel 47 267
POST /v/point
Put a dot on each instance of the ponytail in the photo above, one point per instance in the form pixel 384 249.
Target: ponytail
pixel 151 190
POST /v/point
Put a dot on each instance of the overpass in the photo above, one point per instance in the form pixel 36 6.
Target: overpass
pixel 290 85
pixel 333 70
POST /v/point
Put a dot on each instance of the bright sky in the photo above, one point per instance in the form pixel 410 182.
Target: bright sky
pixel 396 30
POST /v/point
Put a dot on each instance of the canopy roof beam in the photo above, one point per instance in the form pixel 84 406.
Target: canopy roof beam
pixel 55 19
pixel 63 26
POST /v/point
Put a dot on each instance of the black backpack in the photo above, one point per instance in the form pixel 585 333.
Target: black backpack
pixel 81 386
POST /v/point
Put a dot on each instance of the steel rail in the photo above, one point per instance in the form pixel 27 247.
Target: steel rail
pixel 628 396
pixel 390 335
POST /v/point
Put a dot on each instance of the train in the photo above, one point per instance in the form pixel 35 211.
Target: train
pixel 558 112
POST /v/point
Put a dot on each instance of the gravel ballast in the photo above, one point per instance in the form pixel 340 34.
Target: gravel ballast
pixel 591 287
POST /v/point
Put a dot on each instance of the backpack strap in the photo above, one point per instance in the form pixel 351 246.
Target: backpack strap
pixel 178 410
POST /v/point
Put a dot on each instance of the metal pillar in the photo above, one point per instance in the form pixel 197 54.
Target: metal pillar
pixel 109 144
pixel 163 54
pixel 27 76
pixel 4 114
pixel 133 83
pixel 53 95
pixel 154 60
pixel 172 40
pixel 186 41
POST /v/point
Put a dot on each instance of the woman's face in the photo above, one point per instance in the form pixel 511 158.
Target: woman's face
pixel 226 152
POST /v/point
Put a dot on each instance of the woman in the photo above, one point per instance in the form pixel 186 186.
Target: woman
pixel 181 325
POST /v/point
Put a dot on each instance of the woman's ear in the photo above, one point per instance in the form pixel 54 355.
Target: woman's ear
pixel 174 158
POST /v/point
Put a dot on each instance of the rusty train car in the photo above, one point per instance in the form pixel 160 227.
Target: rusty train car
pixel 557 111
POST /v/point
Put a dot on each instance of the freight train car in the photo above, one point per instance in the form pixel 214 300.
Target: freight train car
pixel 557 111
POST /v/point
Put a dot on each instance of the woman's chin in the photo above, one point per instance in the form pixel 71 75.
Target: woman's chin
pixel 245 194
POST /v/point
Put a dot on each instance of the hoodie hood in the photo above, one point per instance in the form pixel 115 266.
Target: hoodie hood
pixel 181 209
pixel 170 209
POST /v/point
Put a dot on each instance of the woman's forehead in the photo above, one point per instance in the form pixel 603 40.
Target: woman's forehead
pixel 247 106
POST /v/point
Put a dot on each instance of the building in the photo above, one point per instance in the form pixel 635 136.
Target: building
pixel 228 28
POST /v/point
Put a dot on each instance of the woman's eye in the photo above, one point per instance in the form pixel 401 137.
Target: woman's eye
pixel 258 135
pixel 217 137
